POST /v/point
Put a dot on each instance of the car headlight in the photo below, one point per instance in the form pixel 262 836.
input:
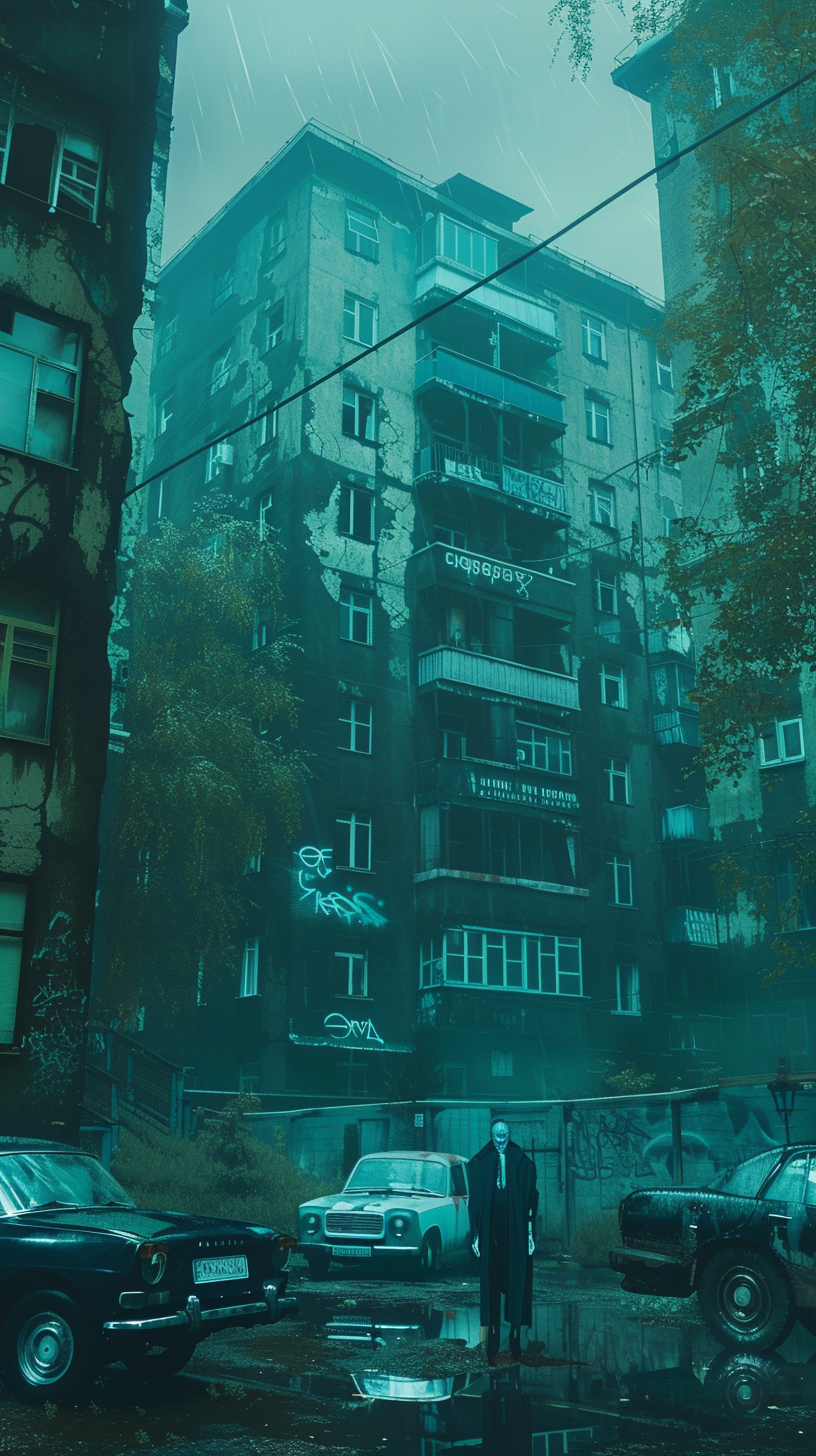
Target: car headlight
pixel 399 1224
pixel 154 1262
pixel 282 1248
pixel 312 1223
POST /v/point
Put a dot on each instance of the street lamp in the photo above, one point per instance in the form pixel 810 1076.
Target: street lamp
pixel 783 1090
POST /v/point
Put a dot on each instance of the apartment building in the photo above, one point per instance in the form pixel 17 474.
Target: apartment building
pixel 497 843
pixel 78 128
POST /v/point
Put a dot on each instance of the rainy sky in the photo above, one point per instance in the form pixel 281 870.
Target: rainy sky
pixel 439 86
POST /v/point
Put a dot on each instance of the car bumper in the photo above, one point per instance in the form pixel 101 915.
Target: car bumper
pixel 360 1251
pixel 647 1273
pixel 197 1321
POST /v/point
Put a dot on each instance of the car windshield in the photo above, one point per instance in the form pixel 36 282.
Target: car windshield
pixel 47 1180
pixel 747 1178
pixel 402 1175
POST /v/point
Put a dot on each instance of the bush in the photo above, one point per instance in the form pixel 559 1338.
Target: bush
pixel 222 1172
pixel 593 1239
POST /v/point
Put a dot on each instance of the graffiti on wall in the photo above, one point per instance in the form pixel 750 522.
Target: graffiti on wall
pixel 58 1022
pixel 353 1033
pixel 313 896
pixel 607 1144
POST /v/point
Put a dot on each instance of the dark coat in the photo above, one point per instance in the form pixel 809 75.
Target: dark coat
pixel 522 1196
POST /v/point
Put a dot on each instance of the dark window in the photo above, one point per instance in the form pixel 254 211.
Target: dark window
pixel 39 386
pixel 789 1183
pixel 458 1181
pixel 359 414
pixel 355 725
pixel 356 616
pixel 362 235
pixel 28 642
pixel 50 146
pixel 356 513
pixel 747 1178
pixel 353 841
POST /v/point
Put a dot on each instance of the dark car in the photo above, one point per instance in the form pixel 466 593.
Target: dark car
pixel 87 1279
pixel 746 1244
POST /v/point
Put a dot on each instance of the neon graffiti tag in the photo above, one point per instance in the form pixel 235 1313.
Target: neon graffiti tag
pixel 491 571
pixel 313 865
pixel 345 1030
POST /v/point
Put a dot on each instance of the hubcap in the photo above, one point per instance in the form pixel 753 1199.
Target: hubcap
pixel 743 1299
pixel 45 1349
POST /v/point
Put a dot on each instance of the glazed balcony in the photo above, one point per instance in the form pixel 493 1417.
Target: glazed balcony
pixel 686 925
pixel 442 277
pixel 446 370
pixel 494 678
pixel 686 821
pixel 445 462
pixel 453 566
pixel 678 726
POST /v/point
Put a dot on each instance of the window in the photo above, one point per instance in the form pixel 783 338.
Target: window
pixel 249 968
pixel 454 1080
pixel 168 335
pixel 598 420
pixel 266 428
pixel 356 616
pixel 50 146
pixel 39 385
pixel 747 1178
pixel 617 779
pixel 12 917
pixel 220 372
pixel 359 320
pixel 665 374
pixel 723 85
pixel 790 1182
pixel 28 643
pixel 594 338
pixel 355 725
pixel 249 1076
pixel 359 414
pixel 602 504
pixel 501 1064
pixel 277 235
pixel 606 591
pixel 356 513
pixel 459 1187
pixel 361 233
pixel 613 685
pixel 217 459
pixel 664 448
pixel 265 515
pixel 254 864
pixel 781 742
pixel 164 412
pixel 450 533
pixel 223 286
pixel 620 879
pixel 353 848
pixel 670 514
pixel 351 973
pixel 542 748
pixel 628 987
pixel 505 960
pixel 274 325
pixel 796 896
pixel 468 248
pixel 262 629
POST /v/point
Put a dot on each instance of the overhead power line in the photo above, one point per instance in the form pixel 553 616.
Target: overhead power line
pixel 480 282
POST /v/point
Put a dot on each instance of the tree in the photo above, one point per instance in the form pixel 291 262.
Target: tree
pixel 206 774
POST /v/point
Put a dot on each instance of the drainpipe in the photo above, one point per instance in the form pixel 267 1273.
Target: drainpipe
pixel 677 1141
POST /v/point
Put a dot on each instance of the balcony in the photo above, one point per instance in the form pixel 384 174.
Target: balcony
pixel 450 565
pixel 678 726
pixel 442 276
pixel 686 926
pixel 466 376
pixel 670 642
pixel 446 462
pixel 474 781
pixel 686 821
pixel 494 679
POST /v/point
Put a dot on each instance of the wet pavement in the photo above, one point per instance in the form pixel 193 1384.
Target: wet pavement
pixel 372 1365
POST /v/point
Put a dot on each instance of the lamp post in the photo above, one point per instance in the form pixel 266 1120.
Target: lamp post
pixel 783 1091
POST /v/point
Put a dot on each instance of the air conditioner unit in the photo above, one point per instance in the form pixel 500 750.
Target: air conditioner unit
pixel 223 453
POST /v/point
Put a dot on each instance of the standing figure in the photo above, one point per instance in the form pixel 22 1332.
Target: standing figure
pixel 503 1202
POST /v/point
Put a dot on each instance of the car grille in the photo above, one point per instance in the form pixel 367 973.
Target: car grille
pixel 355 1223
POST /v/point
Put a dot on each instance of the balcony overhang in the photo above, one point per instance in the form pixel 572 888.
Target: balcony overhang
pixel 493 679
pixel 537 493
pixel 442 369
pixel 450 565
pixel 442 278
pixel 543 886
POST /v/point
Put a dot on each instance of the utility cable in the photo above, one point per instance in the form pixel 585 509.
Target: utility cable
pixel 481 282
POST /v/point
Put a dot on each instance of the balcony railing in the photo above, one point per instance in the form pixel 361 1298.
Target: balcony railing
pixel 537 490
pixel 685 821
pixel 443 275
pixel 687 926
pixel 457 372
pixel 678 726
pixel 493 675
pixel 665 640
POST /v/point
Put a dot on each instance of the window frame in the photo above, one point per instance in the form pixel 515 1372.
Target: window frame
pixel 354 404
pixel 357 726
pixel 597 489
pixel 782 758
pixel 664 366
pixel 61 127
pixel 349 611
pixel 220 380
pixel 593 328
pixel 364 244
pixel 12 622
pixel 614 674
pixel 563 743
pixel 354 314
pixel 349 505
pixel 592 411
pixel 167 337
pixel 277 244
pixel 250 969
pixel 41 361
pixel 460 231
pixel 622 880
pixel 635 1008
pixel 616 775
pixel 223 285
pixel 275 315
pixel 602 586
pixel 350 956
pixel 722 92
pixel 357 824
pixel 529 968
pixel 12 931
pixel 163 414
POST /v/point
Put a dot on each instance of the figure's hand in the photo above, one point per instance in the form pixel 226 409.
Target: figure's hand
pixel 475 1246
pixel 530 1244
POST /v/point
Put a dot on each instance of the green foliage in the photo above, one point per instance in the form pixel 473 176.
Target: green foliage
pixel 627 1079
pixel 577 17
pixel 592 1240
pixel 205 772
pixel 223 1172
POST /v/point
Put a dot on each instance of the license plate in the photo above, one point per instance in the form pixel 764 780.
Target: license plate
pixel 208 1271
pixel 351 1251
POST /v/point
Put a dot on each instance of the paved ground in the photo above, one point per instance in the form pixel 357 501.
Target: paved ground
pixel 371 1365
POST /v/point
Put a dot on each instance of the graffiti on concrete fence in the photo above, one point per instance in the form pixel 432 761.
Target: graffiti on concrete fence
pixel 606 1144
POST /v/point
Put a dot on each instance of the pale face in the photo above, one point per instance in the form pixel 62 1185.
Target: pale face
pixel 500 1133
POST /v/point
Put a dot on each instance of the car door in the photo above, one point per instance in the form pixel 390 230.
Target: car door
pixel 459 1197
pixel 789 1205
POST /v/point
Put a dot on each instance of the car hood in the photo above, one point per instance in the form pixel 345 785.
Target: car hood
pixel 372 1202
pixel 139 1224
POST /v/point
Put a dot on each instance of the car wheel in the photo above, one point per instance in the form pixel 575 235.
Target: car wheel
pixel 161 1361
pixel 746 1300
pixel 49 1350
pixel 744 1384
pixel 319 1264
pixel 807 1318
pixel 428 1257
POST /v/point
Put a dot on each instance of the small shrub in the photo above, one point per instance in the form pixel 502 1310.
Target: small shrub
pixel 223 1172
pixel 593 1239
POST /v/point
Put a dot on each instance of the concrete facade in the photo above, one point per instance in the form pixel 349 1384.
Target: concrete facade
pixel 496 854
pixel 78 125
